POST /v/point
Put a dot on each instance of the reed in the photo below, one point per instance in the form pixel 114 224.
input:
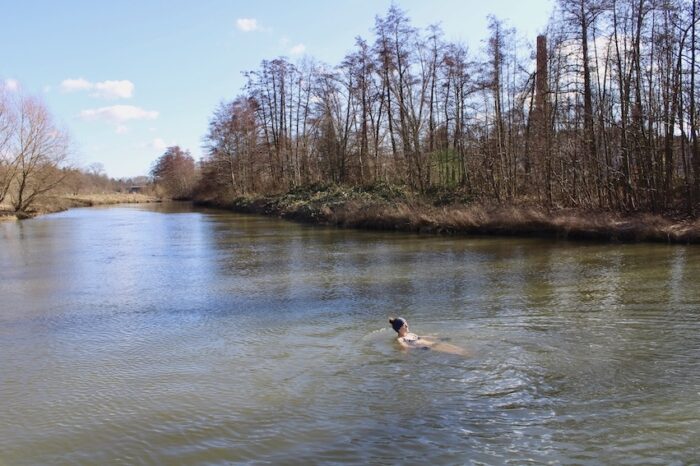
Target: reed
pixel 60 203
pixel 353 208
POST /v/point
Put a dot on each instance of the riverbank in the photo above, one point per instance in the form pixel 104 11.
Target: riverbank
pixel 60 203
pixel 389 208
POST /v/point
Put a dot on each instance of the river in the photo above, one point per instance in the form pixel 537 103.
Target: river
pixel 163 334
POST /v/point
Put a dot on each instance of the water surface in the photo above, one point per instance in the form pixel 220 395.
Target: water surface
pixel 161 334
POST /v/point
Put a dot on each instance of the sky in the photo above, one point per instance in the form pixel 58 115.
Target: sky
pixel 127 78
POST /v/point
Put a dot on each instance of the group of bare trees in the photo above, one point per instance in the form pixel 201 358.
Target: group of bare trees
pixel 604 117
pixel 631 65
pixel 175 173
pixel 32 151
pixel 94 180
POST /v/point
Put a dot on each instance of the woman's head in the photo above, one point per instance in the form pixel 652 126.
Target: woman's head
pixel 397 323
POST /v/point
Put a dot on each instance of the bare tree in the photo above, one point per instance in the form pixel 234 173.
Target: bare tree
pixel 232 143
pixel 175 171
pixel 39 150
pixel 8 158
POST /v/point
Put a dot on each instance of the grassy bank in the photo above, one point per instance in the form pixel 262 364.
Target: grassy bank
pixel 390 208
pixel 61 203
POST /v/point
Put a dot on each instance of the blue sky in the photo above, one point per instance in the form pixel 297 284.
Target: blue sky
pixel 128 77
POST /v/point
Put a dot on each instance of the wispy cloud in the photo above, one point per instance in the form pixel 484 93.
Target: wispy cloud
pixel 158 144
pixel 11 85
pixel 248 24
pixel 115 89
pixel 123 89
pixel 118 114
pixel 73 85
pixel 298 49
pixel 121 129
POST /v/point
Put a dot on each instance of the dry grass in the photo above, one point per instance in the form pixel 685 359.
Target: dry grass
pixel 418 216
pixel 61 203
pixel 112 198
pixel 6 214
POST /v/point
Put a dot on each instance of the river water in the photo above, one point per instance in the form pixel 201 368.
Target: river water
pixel 160 334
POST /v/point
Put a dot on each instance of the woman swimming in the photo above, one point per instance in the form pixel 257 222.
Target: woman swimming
pixel 410 340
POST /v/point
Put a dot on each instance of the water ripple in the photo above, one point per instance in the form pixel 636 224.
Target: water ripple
pixel 222 339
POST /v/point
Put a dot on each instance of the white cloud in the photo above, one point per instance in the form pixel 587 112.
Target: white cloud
pixel 158 144
pixel 121 129
pixel 118 114
pixel 11 85
pixel 73 85
pixel 122 89
pixel 298 49
pixel 114 89
pixel 247 24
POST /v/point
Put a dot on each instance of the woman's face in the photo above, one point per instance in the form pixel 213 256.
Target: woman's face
pixel 403 330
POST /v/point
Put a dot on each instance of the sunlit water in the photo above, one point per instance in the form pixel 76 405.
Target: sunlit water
pixel 163 335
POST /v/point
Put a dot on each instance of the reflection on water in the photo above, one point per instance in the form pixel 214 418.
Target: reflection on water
pixel 157 334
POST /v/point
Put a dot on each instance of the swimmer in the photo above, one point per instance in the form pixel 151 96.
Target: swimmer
pixel 410 340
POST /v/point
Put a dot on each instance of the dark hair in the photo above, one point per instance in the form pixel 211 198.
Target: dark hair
pixel 397 323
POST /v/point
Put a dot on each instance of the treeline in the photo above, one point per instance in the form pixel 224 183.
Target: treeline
pixel 602 115
pixel 94 180
pixel 35 155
